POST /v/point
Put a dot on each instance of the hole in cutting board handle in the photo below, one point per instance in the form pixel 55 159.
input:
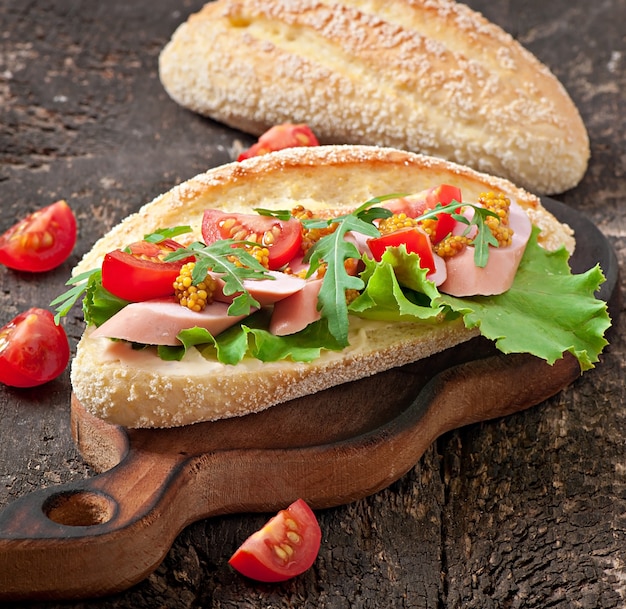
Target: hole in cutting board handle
pixel 79 508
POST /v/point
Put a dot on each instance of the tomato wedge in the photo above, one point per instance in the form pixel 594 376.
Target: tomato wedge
pixel 281 237
pixel 280 137
pixel 41 241
pixel 415 240
pixel 33 349
pixel 139 273
pixel 285 547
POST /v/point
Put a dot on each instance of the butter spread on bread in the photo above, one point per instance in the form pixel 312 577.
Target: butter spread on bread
pixel 138 389
pixel 431 76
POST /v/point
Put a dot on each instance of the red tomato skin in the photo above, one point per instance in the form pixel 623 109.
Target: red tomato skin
pixel 415 240
pixel 140 274
pixel 256 559
pixel 416 205
pixel 33 349
pixel 445 225
pixel 443 194
pixel 283 250
pixel 280 137
pixel 41 241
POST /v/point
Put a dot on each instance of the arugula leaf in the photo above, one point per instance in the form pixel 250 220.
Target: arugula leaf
pixel 64 302
pixel 166 233
pixel 98 304
pixel 333 250
pixel 280 214
pixel 304 346
pixel 218 257
pixel 483 238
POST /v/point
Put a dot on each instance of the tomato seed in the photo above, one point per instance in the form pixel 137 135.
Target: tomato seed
pixel 228 224
pixel 288 549
pixel 240 235
pixel 291 524
pixel 281 553
pixel 293 537
pixel 48 239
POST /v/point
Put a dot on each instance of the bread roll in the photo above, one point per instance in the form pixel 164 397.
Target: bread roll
pixel 431 76
pixel 137 389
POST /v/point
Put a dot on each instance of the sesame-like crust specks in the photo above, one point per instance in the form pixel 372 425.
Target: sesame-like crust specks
pixel 430 76
pixel 136 389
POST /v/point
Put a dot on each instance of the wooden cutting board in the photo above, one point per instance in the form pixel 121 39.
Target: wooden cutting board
pixel 104 534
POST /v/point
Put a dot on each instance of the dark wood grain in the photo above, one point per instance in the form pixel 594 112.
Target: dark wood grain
pixel 525 511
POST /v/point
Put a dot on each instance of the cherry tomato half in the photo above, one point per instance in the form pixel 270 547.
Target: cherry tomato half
pixel 280 137
pixel 33 349
pixel 41 241
pixel 141 273
pixel 285 547
pixel 281 237
pixel 415 240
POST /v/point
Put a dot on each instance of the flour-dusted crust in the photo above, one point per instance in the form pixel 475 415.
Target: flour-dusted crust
pixel 136 389
pixel 431 76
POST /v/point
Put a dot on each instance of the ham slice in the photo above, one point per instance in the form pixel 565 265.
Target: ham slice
pixel 265 291
pixel 464 278
pixel 158 322
pixel 438 276
pixel 296 312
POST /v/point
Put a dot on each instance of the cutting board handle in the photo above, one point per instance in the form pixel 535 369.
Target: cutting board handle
pixel 104 534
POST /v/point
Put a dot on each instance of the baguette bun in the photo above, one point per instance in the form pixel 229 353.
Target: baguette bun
pixel 431 76
pixel 137 389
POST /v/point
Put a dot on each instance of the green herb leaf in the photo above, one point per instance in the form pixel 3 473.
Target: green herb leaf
pixel 217 257
pixel 333 250
pixel 166 233
pixel 64 302
pixel 279 214
pixel 483 238
pixel 254 339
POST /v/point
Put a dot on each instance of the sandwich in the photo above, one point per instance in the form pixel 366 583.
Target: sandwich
pixel 432 77
pixel 285 274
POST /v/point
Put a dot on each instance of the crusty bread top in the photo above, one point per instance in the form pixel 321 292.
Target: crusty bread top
pixel 431 76
pixel 319 177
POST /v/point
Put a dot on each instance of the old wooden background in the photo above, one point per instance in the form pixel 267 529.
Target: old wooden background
pixel 527 511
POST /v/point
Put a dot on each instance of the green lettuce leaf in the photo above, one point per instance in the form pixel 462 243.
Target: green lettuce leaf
pixel 99 304
pixel 547 312
pixel 252 339
pixel 397 289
